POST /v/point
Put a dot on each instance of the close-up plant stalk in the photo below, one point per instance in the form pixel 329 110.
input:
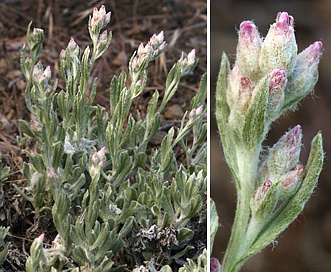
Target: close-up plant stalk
pixel 267 79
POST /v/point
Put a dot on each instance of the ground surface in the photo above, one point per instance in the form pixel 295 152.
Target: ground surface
pixel 306 244
pixel 185 26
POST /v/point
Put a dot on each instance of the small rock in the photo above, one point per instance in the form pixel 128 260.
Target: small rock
pixel 173 112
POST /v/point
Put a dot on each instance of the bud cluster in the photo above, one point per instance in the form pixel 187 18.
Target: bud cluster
pixel 98 21
pixel 195 114
pixel 96 162
pixel 291 76
pixel 188 63
pixel 154 47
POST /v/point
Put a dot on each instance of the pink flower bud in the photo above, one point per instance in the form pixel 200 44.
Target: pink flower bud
pixel 102 152
pixel 192 114
pixel 248 50
pixel 215 265
pixel 279 49
pixel 284 155
pixel 103 38
pixel 246 88
pixel 290 182
pixel 311 55
pixel 97 162
pixel 277 79
pixel 188 63
pixel 102 11
pixel 199 110
pixel 36 125
pixel 157 40
pixel 141 49
pixel 99 156
pixel 262 191
pixel 293 177
pixel 48 72
pixel 277 84
pixel 284 21
pixel 305 74
pixel 40 239
pixel 37 72
pixel 160 37
pixel 191 57
pixel 233 87
pixel 72 44
pixel 51 173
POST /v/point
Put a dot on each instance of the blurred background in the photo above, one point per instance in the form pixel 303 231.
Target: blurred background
pixel 306 244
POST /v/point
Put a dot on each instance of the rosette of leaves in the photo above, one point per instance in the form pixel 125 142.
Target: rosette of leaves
pixel 116 203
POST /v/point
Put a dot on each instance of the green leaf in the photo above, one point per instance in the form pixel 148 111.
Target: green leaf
pixel 222 108
pixel 184 235
pixel 57 154
pixel 254 129
pixel 214 224
pixel 79 255
pixel 201 96
pixel 123 169
pixel 26 128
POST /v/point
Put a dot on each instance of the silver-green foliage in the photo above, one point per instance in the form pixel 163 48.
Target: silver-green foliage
pixel 114 201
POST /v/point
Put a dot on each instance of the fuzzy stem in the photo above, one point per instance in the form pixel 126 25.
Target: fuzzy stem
pixel 247 166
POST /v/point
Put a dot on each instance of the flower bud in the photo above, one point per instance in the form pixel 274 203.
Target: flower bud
pixel 37 72
pixel 246 88
pixel 36 250
pixel 157 40
pixel 51 173
pixel 97 162
pixel 233 87
pixel 248 50
pixel 284 155
pixel 277 84
pixel 290 182
pixel 215 265
pixel 305 74
pixel 262 190
pixel 194 114
pixel 103 37
pixel 199 110
pixel 188 63
pixel 158 44
pixel 99 18
pixel 279 49
pixel 264 201
pixel 73 50
pixel 36 125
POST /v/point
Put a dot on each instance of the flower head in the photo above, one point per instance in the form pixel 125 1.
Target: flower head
pixel 188 63
pixel 283 156
pixel 277 83
pixel 279 49
pixel 248 50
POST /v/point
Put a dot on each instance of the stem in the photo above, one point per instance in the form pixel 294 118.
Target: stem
pixel 247 165
pixel 230 262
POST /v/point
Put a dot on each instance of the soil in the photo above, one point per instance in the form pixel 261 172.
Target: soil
pixel 306 244
pixel 185 26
